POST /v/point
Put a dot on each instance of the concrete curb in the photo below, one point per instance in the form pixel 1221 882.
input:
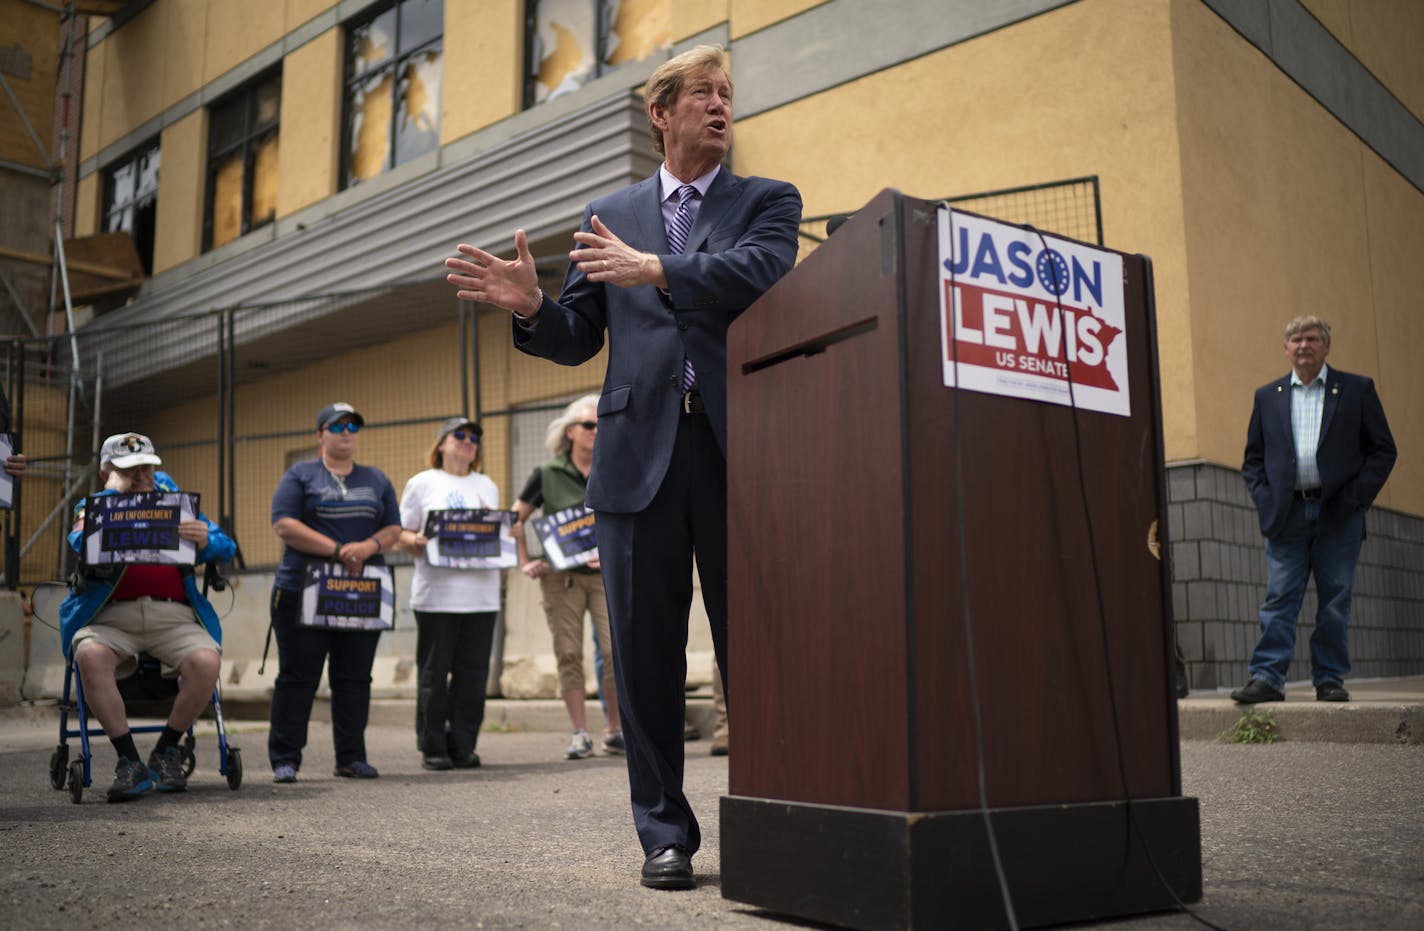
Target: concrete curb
pixel 1383 712
pixel 1356 722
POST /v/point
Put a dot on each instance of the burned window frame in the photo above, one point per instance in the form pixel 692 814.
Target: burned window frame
pixel 134 200
pixel 352 79
pixel 606 44
pixel 253 136
pixel 603 17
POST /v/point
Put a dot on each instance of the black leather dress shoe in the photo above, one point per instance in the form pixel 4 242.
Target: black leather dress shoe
pixel 435 761
pixel 1331 691
pixel 466 762
pixel 668 868
pixel 1255 692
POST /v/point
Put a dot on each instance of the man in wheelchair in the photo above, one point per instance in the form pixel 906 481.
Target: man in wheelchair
pixel 114 613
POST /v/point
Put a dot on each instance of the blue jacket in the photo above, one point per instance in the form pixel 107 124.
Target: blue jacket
pixel 1355 455
pixel 88 598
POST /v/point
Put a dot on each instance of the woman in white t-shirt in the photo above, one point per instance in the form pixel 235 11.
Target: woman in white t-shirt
pixel 454 608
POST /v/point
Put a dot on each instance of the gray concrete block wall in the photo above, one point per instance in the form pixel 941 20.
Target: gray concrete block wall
pixel 1219 580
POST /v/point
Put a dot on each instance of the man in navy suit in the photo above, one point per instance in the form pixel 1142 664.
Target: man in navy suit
pixel 662 267
pixel 1318 451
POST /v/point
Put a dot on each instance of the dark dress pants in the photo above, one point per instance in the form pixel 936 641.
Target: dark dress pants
pixel 647 575
pixel 452 652
pixel 301 653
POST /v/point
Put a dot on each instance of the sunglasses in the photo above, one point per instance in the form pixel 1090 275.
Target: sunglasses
pixel 463 435
pixel 344 426
pixel 588 424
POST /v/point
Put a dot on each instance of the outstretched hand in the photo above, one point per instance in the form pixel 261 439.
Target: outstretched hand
pixel 607 259
pixel 513 285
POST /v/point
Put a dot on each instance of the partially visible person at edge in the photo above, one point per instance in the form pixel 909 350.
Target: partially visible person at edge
pixel 15 463
pixel 454 608
pixel 1318 451
pixel 661 268
pixel 328 508
pixel 116 612
pixel 557 485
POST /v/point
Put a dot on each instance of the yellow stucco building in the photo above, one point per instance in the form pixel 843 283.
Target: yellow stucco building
pixel 298 169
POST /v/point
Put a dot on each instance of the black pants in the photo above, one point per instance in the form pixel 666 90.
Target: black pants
pixel 301 653
pixel 452 652
pixel 647 575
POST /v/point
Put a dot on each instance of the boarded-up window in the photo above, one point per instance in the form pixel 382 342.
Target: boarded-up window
pixel 242 161
pixel 393 84
pixel 571 42
pixel 131 199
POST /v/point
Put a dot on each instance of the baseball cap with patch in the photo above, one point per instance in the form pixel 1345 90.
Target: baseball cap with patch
pixel 126 450
pixel 334 412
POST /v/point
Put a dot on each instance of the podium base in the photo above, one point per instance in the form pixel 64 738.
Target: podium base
pixel 873 869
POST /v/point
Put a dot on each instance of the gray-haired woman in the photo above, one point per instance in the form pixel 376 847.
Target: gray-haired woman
pixel 557 485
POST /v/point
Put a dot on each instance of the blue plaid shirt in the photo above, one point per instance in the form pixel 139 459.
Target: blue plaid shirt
pixel 1307 406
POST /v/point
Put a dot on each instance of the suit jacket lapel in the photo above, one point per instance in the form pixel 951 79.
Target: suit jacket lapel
pixel 1283 409
pixel 720 197
pixel 1332 401
pixel 651 236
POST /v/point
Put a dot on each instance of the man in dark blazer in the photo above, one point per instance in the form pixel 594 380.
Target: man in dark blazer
pixel 662 267
pixel 1318 451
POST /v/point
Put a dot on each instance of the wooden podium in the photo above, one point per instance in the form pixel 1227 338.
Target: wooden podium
pixel 854 773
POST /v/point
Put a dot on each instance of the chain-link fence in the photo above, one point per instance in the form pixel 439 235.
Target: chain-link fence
pixel 230 395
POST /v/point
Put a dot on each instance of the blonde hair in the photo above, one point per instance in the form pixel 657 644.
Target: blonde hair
pixel 557 439
pixel 666 82
pixel 1308 322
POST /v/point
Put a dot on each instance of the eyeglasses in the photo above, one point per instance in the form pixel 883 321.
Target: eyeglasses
pixel 588 424
pixel 462 435
pixel 344 426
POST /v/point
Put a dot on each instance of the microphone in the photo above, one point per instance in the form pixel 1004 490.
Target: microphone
pixel 834 223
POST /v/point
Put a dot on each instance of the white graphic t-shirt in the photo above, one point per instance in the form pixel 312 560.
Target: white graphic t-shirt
pixel 432 588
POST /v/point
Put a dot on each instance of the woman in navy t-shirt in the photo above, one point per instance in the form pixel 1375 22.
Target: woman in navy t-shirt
pixel 328 508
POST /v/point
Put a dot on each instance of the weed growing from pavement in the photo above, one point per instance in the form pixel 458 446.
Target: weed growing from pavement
pixel 1255 727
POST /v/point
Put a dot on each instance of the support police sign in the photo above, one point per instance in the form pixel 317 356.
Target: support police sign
pixel 1031 316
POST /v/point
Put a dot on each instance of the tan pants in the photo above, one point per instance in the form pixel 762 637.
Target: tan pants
pixel 567 596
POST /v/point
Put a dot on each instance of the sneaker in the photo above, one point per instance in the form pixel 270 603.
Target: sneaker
pixel 613 743
pixel 1255 692
pixel 358 769
pixel 284 772
pixel 131 780
pixel 580 747
pixel 167 768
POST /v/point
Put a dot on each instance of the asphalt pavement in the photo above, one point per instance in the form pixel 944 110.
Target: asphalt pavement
pixel 1301 834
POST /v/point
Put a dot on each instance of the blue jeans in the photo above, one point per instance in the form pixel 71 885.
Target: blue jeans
pixel 1304 548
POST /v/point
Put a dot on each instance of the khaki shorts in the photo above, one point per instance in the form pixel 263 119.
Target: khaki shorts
pixel 165 630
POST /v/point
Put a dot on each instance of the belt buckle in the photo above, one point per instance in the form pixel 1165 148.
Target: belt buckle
pixel 687 401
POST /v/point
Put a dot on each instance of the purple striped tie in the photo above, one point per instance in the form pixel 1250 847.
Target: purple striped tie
pixel 677 240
